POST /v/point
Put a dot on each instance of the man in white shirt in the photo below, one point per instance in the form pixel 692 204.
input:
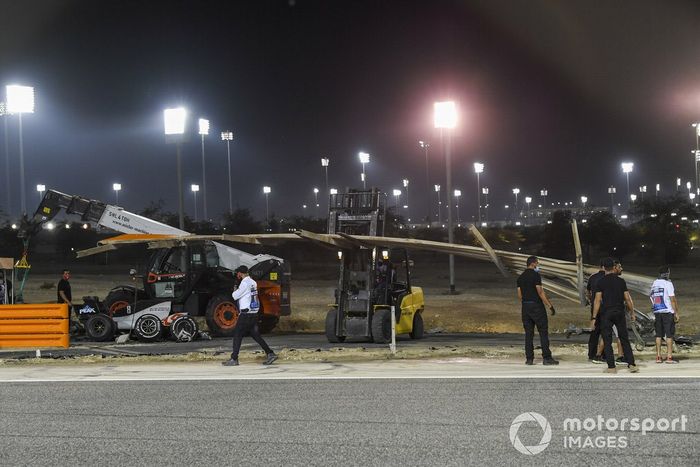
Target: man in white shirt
pixel 246 297
pixel 665 308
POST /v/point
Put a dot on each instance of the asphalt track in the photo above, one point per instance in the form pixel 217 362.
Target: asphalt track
pixel 442 412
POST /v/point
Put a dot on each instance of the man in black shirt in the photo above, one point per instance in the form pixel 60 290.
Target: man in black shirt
pixel 611 295
pixel 63 293
pixel 594 354
pixel 533 298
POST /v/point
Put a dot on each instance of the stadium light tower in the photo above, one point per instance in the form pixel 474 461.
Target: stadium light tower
pixel 316 199
pixel 228 137
pixel 397 197
pixel 175 123
pixel 445 119
pixel 408 209
pixel 117 187
pixel 195 190
pixel 425 146
pixel 267 190
pixel 478 170
pixel 437 190
pixel 364 159
pixel 20 100
pixel 627 168
pixel 457 194
pixel 516 192
pixel 204 131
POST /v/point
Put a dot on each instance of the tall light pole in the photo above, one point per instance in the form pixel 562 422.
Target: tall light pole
pixel 696 153
pixel 175 121
pixel 457 194
pixel 627 168
pixel 478 170
pixel 516 192
pixel 528 200
pixel 41 189
pixel 267 190
pixel 611 191
pixel 228 137
pixel 688 185
pixel 8 192
pixel 584 200
pixel 425 145
pixel 117 188
pixel 437 190
pixel 195 189
pixel 20 100
pixel 658 189
pixel 397 197
pixel 678 184
pixel 324 163
pixel 204 131
pixel 485 192
pixel 543 194
pixel 408 209
pixel 445 119
pixel 316 199
pixel 364 159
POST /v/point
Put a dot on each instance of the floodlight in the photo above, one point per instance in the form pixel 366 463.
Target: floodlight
pixel 315 191
pixel 174 120
pixel 267 190
pixel 458 193
pixel 627 167
pixel 203 126
pixel 364 157
pixel 437 187
pixel 226 136
pixel 397 192
pixel 405 183
pixel 516 191
pixel 445 114
pixel 478 167
pixel 194 188
pixel 41 188
pixel 20 99
pixel 117 186
pixel 333 191
pixel 325 161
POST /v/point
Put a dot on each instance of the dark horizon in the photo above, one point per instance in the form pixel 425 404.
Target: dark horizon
pixel 551 95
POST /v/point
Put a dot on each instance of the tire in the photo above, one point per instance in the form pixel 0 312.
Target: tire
pixel 267 323
pixel 100 328
pixel 117 301
pixel 222 316
pixel 417 330
pixel 184 329
pixel 148 328
pixel 331 320
pixel 381 327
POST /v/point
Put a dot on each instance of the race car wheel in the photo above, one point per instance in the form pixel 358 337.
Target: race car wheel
pixel 117 301
pixel 100 328
pixel 417 330
pixel 381 326
pixel 331 320
pixel 183 329
pixel 148 328
pixel 222 316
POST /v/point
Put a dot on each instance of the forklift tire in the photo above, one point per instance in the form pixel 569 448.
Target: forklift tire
pixel 331 319
pixel 148 328
pixel 222 316
pixel 267 323
pixel 417 330
pixel 117 300
pixel 100 328
pixel 184 329
pixel 381 326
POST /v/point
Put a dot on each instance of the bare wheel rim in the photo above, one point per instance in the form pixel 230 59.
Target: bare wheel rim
pixel 226 315
pixel 149 327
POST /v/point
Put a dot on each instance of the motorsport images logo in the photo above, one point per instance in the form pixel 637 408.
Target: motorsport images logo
pixel 546 433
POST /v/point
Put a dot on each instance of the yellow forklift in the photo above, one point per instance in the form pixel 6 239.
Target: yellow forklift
pixel 373 282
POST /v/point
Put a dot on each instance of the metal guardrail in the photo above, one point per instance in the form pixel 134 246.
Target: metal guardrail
pixel 34 326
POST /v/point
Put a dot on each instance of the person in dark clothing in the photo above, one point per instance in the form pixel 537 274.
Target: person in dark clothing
pixel 594 353
pixel 611 296
pixel 63 292
pixel 533 298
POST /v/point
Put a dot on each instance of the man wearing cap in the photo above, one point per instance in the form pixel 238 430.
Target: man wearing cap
pixel 595 351
pixel 246 296
pixel 533 298
pixel 611 296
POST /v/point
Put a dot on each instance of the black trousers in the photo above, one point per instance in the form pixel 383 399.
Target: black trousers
pixel 247 325
pixel 594 338
pixel 534 314
pixel 615 317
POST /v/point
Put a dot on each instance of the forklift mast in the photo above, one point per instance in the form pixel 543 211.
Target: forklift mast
pixel 357 212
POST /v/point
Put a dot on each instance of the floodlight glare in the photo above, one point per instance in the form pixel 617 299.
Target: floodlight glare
pixel 627 167
pixel 333 191
pixel 20 99
pixel 364 157
pixel 397 192
pixel 478 167
pixel 584 199
pixel 174 120
pixel 445 114
pixel 267 190
pixel 516 191
pixel 315 191
pixel 117 186
pixel 325 161
pixel 528 199
pixel 458 193
pixel 41 188
pixel 203 126
pixel 405 182
pixel 194 188
pixel 633 197
pixel 226 136
pixel 543 192
pixel 437 187
pixel 485 191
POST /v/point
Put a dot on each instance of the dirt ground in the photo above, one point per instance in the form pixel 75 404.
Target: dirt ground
pixel 485 302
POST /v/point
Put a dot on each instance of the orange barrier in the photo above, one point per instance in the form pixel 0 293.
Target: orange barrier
pixel 34 326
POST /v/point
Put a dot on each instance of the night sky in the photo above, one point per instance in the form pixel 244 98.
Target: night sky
pixel 551 95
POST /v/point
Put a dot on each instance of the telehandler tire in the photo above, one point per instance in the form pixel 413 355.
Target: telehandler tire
pixel 381 326
pixel 331 320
